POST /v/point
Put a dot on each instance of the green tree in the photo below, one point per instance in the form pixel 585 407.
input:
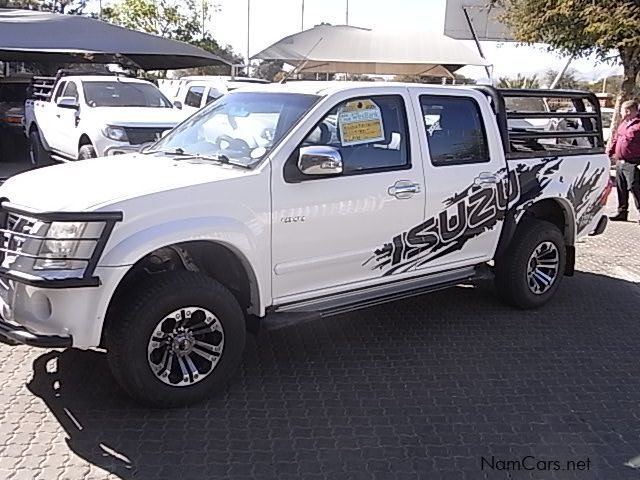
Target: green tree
pixel 520 81
pixel 610 84
pixel 176 19
pixel 72 7
pixel 459 79
pixel 581 28
pixel 269 70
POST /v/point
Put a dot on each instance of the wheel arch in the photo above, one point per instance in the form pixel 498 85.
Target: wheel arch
pixel 214 258
pixel 84 140
pixel 557 211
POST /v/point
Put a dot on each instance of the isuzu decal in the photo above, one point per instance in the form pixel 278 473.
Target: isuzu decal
pixel 478 209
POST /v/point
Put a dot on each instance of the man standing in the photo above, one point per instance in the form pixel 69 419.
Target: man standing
pixel 625 149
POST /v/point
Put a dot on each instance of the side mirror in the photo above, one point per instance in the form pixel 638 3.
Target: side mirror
pixel 68 102
pixel 320 160
pixel 178 104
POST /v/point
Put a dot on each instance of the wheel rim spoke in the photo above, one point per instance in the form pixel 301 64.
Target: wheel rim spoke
pixel 189 353
pixel 543 267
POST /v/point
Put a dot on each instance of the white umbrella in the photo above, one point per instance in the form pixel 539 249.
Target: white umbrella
pixel 347 49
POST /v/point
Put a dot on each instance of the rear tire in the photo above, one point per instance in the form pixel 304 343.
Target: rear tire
pixel 177 339
pixel 530 272
pixel 86 152
pixel 37 153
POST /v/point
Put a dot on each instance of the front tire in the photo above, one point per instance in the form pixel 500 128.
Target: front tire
pixel 86 152
pixel 529 274
pixel 177 340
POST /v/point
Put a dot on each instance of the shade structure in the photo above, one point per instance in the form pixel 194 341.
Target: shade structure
pixel 32 36
pixel 347 49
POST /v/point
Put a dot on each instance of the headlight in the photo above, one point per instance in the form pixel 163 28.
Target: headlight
pixel 116 133
pixel 63 254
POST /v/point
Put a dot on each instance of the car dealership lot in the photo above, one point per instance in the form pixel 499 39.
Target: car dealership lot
pixel 423 388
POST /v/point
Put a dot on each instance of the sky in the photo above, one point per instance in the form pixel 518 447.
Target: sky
pixel 270 20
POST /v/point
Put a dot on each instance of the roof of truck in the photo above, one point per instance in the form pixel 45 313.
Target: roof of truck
pixel 103 78
pixel 326 87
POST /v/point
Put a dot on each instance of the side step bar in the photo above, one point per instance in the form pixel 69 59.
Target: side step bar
pixel 290 314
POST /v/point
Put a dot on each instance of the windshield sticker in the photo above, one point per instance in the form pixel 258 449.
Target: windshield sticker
pixel 360 122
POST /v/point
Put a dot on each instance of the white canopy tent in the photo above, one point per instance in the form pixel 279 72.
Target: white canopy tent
pixel 347 49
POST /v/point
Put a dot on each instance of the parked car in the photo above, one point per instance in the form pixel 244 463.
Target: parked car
pixel 194 92
pixel 192 95
pixel 607 119
pixel 286 203
pixel 13 92
pixel 75 117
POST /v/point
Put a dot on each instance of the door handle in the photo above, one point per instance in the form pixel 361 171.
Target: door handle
pixel 403 189
pixel 485 178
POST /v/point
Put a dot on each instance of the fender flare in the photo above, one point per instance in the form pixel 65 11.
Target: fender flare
pixel 228 232
pixel 514 215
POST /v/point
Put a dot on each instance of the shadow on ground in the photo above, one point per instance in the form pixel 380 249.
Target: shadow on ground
pixel 422 388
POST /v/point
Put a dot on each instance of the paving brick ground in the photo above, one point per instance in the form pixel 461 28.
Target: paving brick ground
pixel 423 388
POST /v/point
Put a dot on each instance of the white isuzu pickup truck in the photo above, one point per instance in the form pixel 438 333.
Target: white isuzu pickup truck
pixel 75 117
pixel 286 202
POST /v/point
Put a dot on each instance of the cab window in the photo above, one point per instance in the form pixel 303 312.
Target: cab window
pixel 59 91
pixel 370 133
pixel 71 91
pixel 194 97
pixel 455 130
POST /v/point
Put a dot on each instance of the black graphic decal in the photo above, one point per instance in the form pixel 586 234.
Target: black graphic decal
pixel 483 206
pixel 533 179
pixel 580 195
pixel 467 214
pixel 453 224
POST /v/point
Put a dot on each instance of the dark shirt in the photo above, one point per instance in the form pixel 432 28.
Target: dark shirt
pixel 626 143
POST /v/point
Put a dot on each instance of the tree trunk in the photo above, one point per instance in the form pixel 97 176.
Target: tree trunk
pixel 630 58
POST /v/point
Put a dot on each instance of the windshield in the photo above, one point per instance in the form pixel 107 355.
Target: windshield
pixel 123 94
pixel 242 126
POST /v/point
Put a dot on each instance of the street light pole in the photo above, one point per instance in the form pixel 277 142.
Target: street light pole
pixel 347 23
pixel 302 17
pixel 248 36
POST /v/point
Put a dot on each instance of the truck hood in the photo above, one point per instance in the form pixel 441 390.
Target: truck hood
pixel 138 116
pixel 95 183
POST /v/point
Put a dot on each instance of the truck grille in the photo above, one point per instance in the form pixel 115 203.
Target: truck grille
pixel 13 236
pixel 140 135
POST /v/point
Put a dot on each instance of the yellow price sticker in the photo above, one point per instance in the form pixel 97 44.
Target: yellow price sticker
pixel 360 122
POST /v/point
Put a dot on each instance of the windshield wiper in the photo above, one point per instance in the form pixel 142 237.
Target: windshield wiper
pixel 179 152
pixel 226 161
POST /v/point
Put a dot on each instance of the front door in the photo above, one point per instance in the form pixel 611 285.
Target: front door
pixel 66 123
pixel 340 230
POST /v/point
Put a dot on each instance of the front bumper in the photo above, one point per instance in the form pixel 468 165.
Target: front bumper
pixel 47 309
pixel 17 335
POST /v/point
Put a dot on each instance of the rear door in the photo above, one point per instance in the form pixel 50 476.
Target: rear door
pixel 467 187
